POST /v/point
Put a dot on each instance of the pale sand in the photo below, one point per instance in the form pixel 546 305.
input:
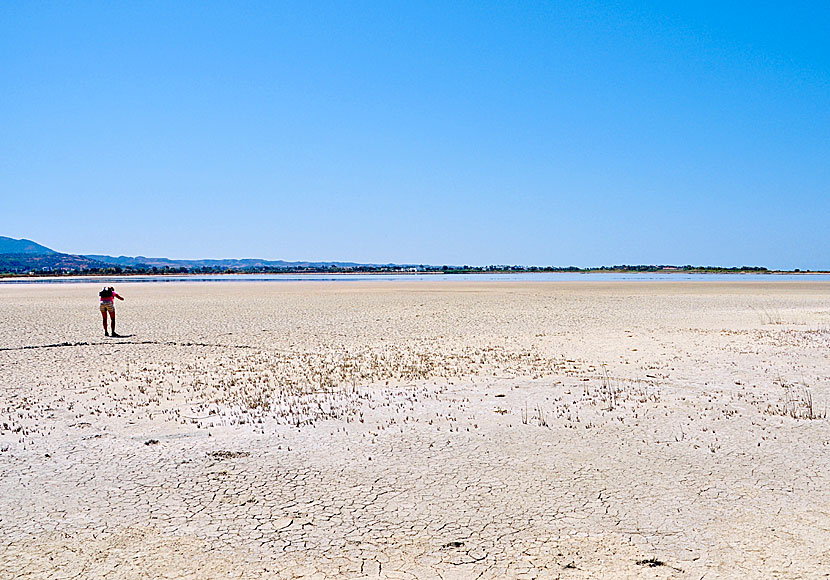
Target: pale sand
pixel 497 449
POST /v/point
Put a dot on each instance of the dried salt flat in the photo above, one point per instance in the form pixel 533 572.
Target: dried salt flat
pixel 416 430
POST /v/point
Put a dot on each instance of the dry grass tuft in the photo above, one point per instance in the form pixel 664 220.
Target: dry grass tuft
pixel 797 403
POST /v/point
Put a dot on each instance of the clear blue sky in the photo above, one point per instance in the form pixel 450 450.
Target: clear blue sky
pixel 559 133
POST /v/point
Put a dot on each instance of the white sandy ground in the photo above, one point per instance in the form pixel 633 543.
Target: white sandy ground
pixel 416 430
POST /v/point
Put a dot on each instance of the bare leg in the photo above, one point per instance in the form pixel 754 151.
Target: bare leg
pixel 104 315
pixel 112 323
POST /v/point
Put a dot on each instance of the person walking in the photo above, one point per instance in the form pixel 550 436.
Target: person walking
pixel 107 295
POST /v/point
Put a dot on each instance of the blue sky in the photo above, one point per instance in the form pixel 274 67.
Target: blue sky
pixel 561 133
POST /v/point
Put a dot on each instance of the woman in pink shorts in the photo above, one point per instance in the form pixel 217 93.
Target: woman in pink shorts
pixel 107 296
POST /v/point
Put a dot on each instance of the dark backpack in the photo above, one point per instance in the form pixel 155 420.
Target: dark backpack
pixel 105 293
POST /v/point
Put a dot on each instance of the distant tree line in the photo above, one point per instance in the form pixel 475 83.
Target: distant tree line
pixel 10 268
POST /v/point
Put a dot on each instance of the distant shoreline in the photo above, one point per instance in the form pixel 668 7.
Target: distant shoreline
pixel 431 272
pixel 555 276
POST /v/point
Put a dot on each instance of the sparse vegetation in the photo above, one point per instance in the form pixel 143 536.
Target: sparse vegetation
pixel 613 392
pixel 797 403
pixel 538 417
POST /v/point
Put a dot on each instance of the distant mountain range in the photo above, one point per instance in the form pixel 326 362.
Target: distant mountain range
pixel 25 255
pixel 28 257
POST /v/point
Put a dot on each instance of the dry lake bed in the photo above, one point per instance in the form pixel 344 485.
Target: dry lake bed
pixel 416 429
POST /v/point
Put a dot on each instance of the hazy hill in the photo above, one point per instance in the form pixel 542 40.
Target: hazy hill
pixel 25 255
pixel 12 246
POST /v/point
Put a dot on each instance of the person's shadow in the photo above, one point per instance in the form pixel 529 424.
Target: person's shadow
pixel 122 336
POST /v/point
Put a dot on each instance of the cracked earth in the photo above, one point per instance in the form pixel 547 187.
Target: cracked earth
pixel 416 430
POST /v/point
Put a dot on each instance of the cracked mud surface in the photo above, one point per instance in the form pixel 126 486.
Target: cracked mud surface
pixel 416 430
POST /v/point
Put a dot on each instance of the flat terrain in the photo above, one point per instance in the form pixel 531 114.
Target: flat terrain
pixel 416 430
